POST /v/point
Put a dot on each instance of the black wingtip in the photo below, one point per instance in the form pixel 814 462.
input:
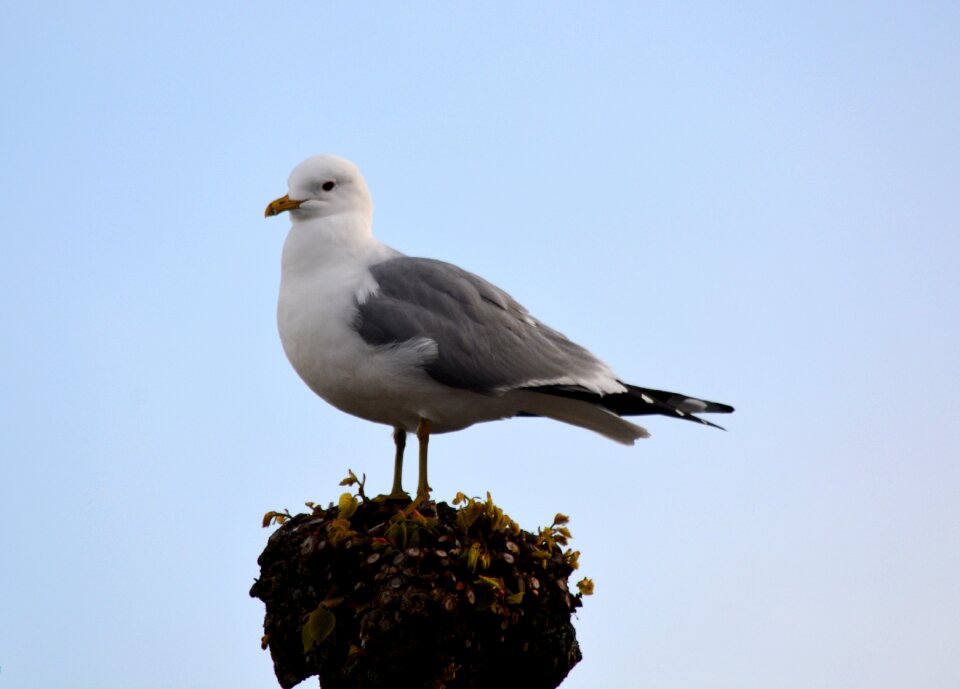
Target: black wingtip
pixel 710 423
pixel 687 416
pixel 639 401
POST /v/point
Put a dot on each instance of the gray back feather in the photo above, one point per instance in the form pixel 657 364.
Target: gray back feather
pixel 486 341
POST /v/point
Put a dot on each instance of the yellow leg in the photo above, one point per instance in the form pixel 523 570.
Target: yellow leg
pixel 400 440
pixel 423 435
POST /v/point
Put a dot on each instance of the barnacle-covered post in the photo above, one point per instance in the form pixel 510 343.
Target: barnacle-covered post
pixel 369 594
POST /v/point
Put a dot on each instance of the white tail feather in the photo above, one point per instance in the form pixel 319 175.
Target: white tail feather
pixel 582 414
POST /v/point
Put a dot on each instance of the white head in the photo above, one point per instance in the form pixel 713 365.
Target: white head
pixel 324 186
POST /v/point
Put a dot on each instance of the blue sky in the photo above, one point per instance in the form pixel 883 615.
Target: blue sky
pixel 752 203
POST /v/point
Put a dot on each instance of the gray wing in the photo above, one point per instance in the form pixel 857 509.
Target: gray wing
pixel 486 341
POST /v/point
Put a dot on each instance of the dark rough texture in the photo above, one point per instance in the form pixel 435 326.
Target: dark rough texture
pixel 428 599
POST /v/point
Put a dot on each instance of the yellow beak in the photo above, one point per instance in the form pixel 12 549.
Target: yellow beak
pixel 280 205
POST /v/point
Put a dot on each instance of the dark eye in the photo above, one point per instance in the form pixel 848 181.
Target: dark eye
pixel 328 186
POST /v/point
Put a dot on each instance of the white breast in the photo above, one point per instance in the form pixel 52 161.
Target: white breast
pixel 322 281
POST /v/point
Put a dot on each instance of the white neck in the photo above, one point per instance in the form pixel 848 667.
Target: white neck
pixel 315 243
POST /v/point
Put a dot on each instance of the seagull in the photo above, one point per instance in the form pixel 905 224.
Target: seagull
pixel 425 346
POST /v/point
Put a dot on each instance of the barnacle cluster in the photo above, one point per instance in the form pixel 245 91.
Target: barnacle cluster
pixel 368 593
